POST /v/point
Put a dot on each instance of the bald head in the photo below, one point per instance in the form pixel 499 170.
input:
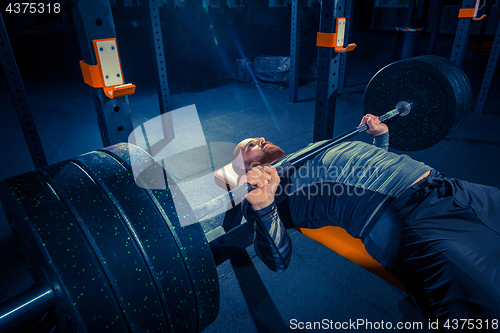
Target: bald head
pixel 252 152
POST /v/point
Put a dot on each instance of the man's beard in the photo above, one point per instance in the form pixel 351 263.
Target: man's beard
pixel 270 155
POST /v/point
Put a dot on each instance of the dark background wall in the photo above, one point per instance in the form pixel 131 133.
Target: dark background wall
pixel 202 43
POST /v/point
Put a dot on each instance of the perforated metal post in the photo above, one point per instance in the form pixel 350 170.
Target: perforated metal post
pixel 409 17
pixel 161 68
pixel 159 53
pixel 436 12
pixel 349 9
pixel 328 73
pixel 489 73
pixel 294 50
pixel 20 99
pixel 94 20
pixel 462 36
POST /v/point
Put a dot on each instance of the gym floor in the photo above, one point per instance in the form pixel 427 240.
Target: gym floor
pixel 319 283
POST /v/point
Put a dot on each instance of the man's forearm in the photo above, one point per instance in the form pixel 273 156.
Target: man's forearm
pixel 262 205
pixel 271 240
pixel 382 141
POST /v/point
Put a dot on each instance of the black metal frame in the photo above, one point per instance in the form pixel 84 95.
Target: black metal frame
pixel 20 99
pixel 94 20
pixel 489 73
pixel 435 6
pixel 409 14
pixel 349 10
pixel 158 50
pixel 328 73
pixel 294 50
pixel 462 36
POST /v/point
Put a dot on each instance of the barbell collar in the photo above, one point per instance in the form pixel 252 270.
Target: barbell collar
pixel 402 109
pixel 407 108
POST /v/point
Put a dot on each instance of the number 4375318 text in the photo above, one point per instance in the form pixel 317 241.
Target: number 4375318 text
pixel 33 8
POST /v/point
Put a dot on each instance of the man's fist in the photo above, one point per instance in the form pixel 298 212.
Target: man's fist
pixel 267 179
pixel 375 127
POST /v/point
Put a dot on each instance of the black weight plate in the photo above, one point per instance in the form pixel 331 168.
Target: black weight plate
pixel 189 236
pixel 104 226
pixel 152 236
pixel 451 74
pixel 460 82
pixel 60 256
pixel 433 98
pixel 450 71
pixel 462 88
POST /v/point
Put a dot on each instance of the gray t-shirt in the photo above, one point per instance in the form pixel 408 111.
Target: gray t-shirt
pixel 355 178
pixel 350 185
pixel 361 165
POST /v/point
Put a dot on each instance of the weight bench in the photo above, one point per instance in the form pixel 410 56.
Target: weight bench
pixel 335 238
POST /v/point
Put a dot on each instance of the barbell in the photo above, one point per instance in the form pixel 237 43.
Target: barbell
pixel 430 94
pixel 112 247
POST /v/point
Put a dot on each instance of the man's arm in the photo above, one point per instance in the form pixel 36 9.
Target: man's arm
pixel 379 130
pixel 382 141
pixel 271 241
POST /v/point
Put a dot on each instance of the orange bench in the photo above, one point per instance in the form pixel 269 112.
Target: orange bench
pixel 335 238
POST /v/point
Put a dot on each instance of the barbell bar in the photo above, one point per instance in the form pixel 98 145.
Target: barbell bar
pixel 25 306
pixel 431 92
pixel 109 251
pixel 237 194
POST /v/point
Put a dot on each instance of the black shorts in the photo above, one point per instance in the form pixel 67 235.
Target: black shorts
pixel 450 257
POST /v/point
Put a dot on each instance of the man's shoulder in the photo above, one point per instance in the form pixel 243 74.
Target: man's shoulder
pixel 351 146
pixel 355 144
pixel 305 150
pixel 343 146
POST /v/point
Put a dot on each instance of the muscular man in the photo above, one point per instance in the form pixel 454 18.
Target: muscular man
pixel 439 236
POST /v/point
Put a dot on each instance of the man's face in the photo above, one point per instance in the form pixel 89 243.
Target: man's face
pixel 258 151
